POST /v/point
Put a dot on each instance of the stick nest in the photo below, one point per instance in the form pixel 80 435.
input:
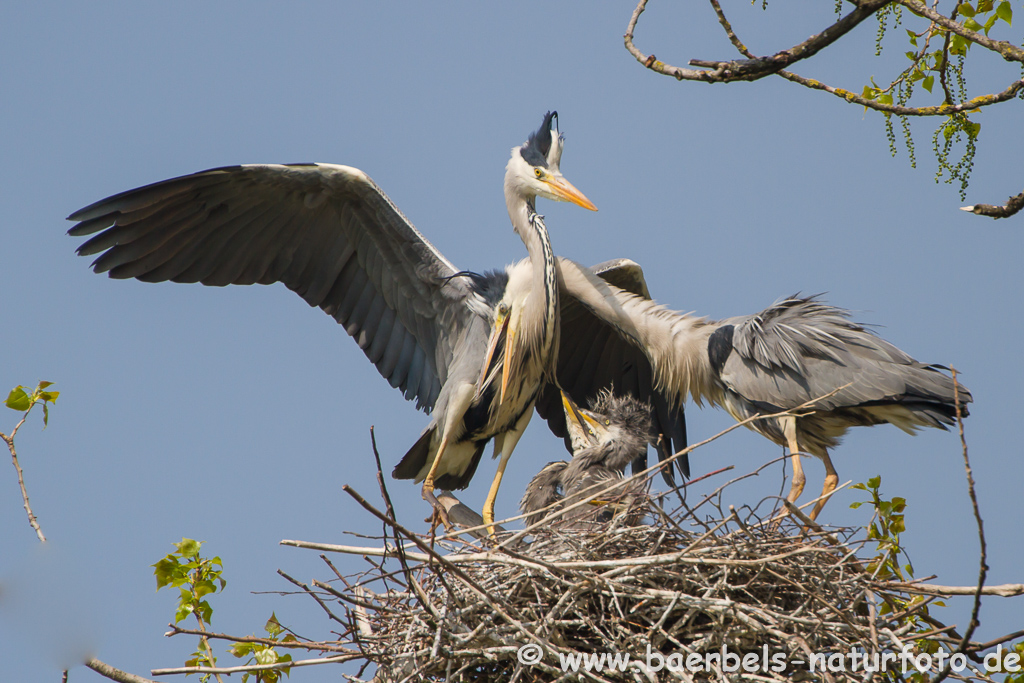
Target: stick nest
pixel 460 612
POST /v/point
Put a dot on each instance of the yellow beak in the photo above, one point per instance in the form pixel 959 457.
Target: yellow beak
pixel 498 332
pixel 567 192
pixel 506 370
pixel 583 427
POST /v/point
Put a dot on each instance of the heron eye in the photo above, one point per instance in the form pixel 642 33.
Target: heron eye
pixel 607 422
pixel 503 309
pixel 538 172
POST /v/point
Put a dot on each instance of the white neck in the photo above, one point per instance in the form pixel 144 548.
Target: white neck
pixel 543 301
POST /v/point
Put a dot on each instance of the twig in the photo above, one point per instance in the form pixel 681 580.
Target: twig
pixel 1007 590
pixel 754 68
pixel 444 561
pixel 9 440
pixel 243 669
pixel 299 645
pixel 114 674
pixel 1012 206
pixel 982 548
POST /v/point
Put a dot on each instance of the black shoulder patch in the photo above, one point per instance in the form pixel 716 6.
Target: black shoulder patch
pixel 719 347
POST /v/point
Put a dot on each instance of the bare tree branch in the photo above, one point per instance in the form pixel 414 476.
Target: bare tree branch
pixel 254 667
pixel 113 674
pixel 754 68
pixel 1012 206
pixel 1006 590
pixel 9 440
pixel 900 110
pixel 982 545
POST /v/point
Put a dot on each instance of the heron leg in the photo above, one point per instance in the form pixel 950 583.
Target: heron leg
pixel 831 481
pixel 456 410
pixel 797 486
pixel 507 442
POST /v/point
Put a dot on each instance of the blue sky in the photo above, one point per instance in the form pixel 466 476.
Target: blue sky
pixel 235 415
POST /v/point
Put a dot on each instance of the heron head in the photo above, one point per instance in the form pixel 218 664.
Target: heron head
pixel 586 428
pixel 533 169
pixel 629 416
pixel 619 425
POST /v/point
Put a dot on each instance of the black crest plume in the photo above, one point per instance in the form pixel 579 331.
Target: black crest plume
pixel 536 149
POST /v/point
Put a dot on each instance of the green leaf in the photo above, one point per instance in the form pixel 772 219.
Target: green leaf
pixel 912 37
pixel 273 626
pixel 965 9
pixel 204 588
pixel 874 482
pixel 182 612
pixel 972 24
pixel 972 128
pixel 856 505
pixel 205 611
pixel 18 399
pixel 928 82
pixel 1005 12
pixel 885 98
pixel 241 649
pixel 188 547
pixel 165 571
pixel 985 6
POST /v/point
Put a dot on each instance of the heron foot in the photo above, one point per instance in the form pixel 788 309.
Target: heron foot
pixel 439 515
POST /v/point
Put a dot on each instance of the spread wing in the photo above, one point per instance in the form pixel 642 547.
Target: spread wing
pixel 326 231
pixel 800 348
pixel 593 355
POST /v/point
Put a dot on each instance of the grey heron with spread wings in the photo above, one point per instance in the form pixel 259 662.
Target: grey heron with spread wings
pixel 477 351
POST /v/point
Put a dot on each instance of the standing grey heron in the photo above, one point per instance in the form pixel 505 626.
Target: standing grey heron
pixel 605 438
pixel 797 351
pixel 331 235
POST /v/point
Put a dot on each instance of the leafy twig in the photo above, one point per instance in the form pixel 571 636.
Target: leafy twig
pixel 22 401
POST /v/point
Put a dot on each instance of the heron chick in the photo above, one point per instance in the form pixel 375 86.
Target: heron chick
pixel 605 438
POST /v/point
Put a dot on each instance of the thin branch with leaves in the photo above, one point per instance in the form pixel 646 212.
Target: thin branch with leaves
pixel 941 48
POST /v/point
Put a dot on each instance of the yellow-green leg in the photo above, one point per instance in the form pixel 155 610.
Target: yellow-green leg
pixel 456 409
pixel 507 443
